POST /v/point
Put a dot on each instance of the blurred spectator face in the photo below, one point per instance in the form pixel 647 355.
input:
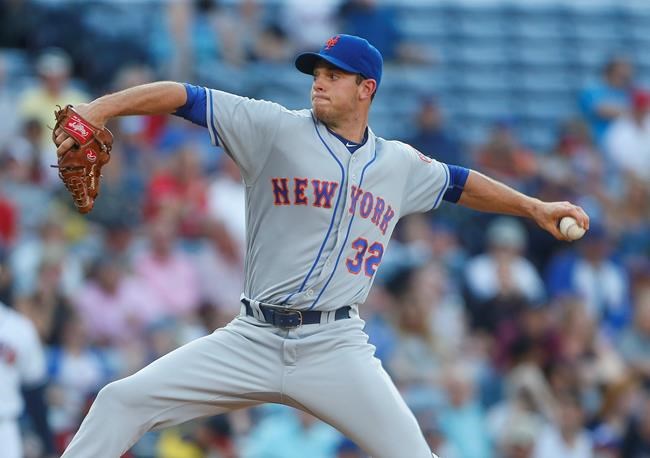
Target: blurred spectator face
pixel 412 318
pixel 416 300
pixel 186 164
pixel 430 117
pixel 619 73
pixel 575 138
pixel 636 198
pixel 273 45
pixel 162 236
pixel 563 377
pixel 502 140
pixel 109 276
pixel 162 339
pixel 443 240
pixel 18 165
pixel 506 237
pixel 49 274
pixel 118 238
pixel 416 228
pixel 459 387
pixel 429 283
pixel 571 417
pixel 52 232
pixel 33 131
pixel 73 334
pixel 578 331
pixel 535 321
pixel 54 67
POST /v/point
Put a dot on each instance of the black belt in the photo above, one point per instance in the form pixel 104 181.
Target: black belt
pixel 287 318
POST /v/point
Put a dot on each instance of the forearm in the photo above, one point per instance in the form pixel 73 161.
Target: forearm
pixel 485 194
pixel 148 99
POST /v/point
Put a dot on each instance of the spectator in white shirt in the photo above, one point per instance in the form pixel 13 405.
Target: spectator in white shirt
pixel 627 142
pixel 503 267
pixel 565 438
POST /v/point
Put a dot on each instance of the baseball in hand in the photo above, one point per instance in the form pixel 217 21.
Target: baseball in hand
pixel 570 228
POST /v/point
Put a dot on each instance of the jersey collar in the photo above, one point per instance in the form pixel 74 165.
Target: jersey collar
pixel 350 145
pixel 337 143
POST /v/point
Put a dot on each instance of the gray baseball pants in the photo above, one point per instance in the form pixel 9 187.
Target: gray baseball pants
pixel 327 369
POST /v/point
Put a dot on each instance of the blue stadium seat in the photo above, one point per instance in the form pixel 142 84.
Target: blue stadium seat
pixel 417 79
pixel 538 136
pixel 540 81
pixel 488 53
pixel 486 80
pixel 537 28
pixel 471 131
pixel 544 108
pixel 539 54
pixel 422 27
pixel 488 107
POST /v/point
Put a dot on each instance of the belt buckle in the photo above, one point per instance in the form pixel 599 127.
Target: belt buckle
pixel 291 314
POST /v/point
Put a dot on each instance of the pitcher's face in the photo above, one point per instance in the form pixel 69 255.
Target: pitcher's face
pixel 334 93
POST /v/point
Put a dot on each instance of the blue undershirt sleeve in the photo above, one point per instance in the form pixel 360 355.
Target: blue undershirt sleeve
pixel 195 107
pixel 458 177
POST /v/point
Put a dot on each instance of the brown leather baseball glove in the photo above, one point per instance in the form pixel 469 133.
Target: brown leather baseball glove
pixel 80 167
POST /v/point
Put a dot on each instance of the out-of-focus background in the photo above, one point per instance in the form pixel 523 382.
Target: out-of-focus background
pixel 504 342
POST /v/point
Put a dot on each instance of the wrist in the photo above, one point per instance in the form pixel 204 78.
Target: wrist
pixel 533 207
pixel 101 110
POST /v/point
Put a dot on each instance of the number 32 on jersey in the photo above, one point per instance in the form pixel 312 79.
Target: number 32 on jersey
pixel 367 257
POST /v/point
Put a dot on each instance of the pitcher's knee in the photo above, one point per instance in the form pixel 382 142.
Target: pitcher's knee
pixel 118 394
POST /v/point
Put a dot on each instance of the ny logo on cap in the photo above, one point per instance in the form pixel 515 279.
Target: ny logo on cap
pixel 331 42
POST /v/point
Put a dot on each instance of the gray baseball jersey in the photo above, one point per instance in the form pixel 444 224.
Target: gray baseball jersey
pixel 318 222
pixel 318 217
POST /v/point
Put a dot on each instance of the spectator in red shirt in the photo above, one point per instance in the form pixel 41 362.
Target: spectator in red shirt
pixel 179 192
pixel 8 220
pixel 505 158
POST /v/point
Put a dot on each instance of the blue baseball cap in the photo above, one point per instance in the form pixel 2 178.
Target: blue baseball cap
pixel 347 52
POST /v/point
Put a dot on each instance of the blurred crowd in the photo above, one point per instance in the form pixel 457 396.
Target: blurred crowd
pixel 504 341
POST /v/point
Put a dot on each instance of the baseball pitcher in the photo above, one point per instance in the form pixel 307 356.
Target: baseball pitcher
pixel 323 195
